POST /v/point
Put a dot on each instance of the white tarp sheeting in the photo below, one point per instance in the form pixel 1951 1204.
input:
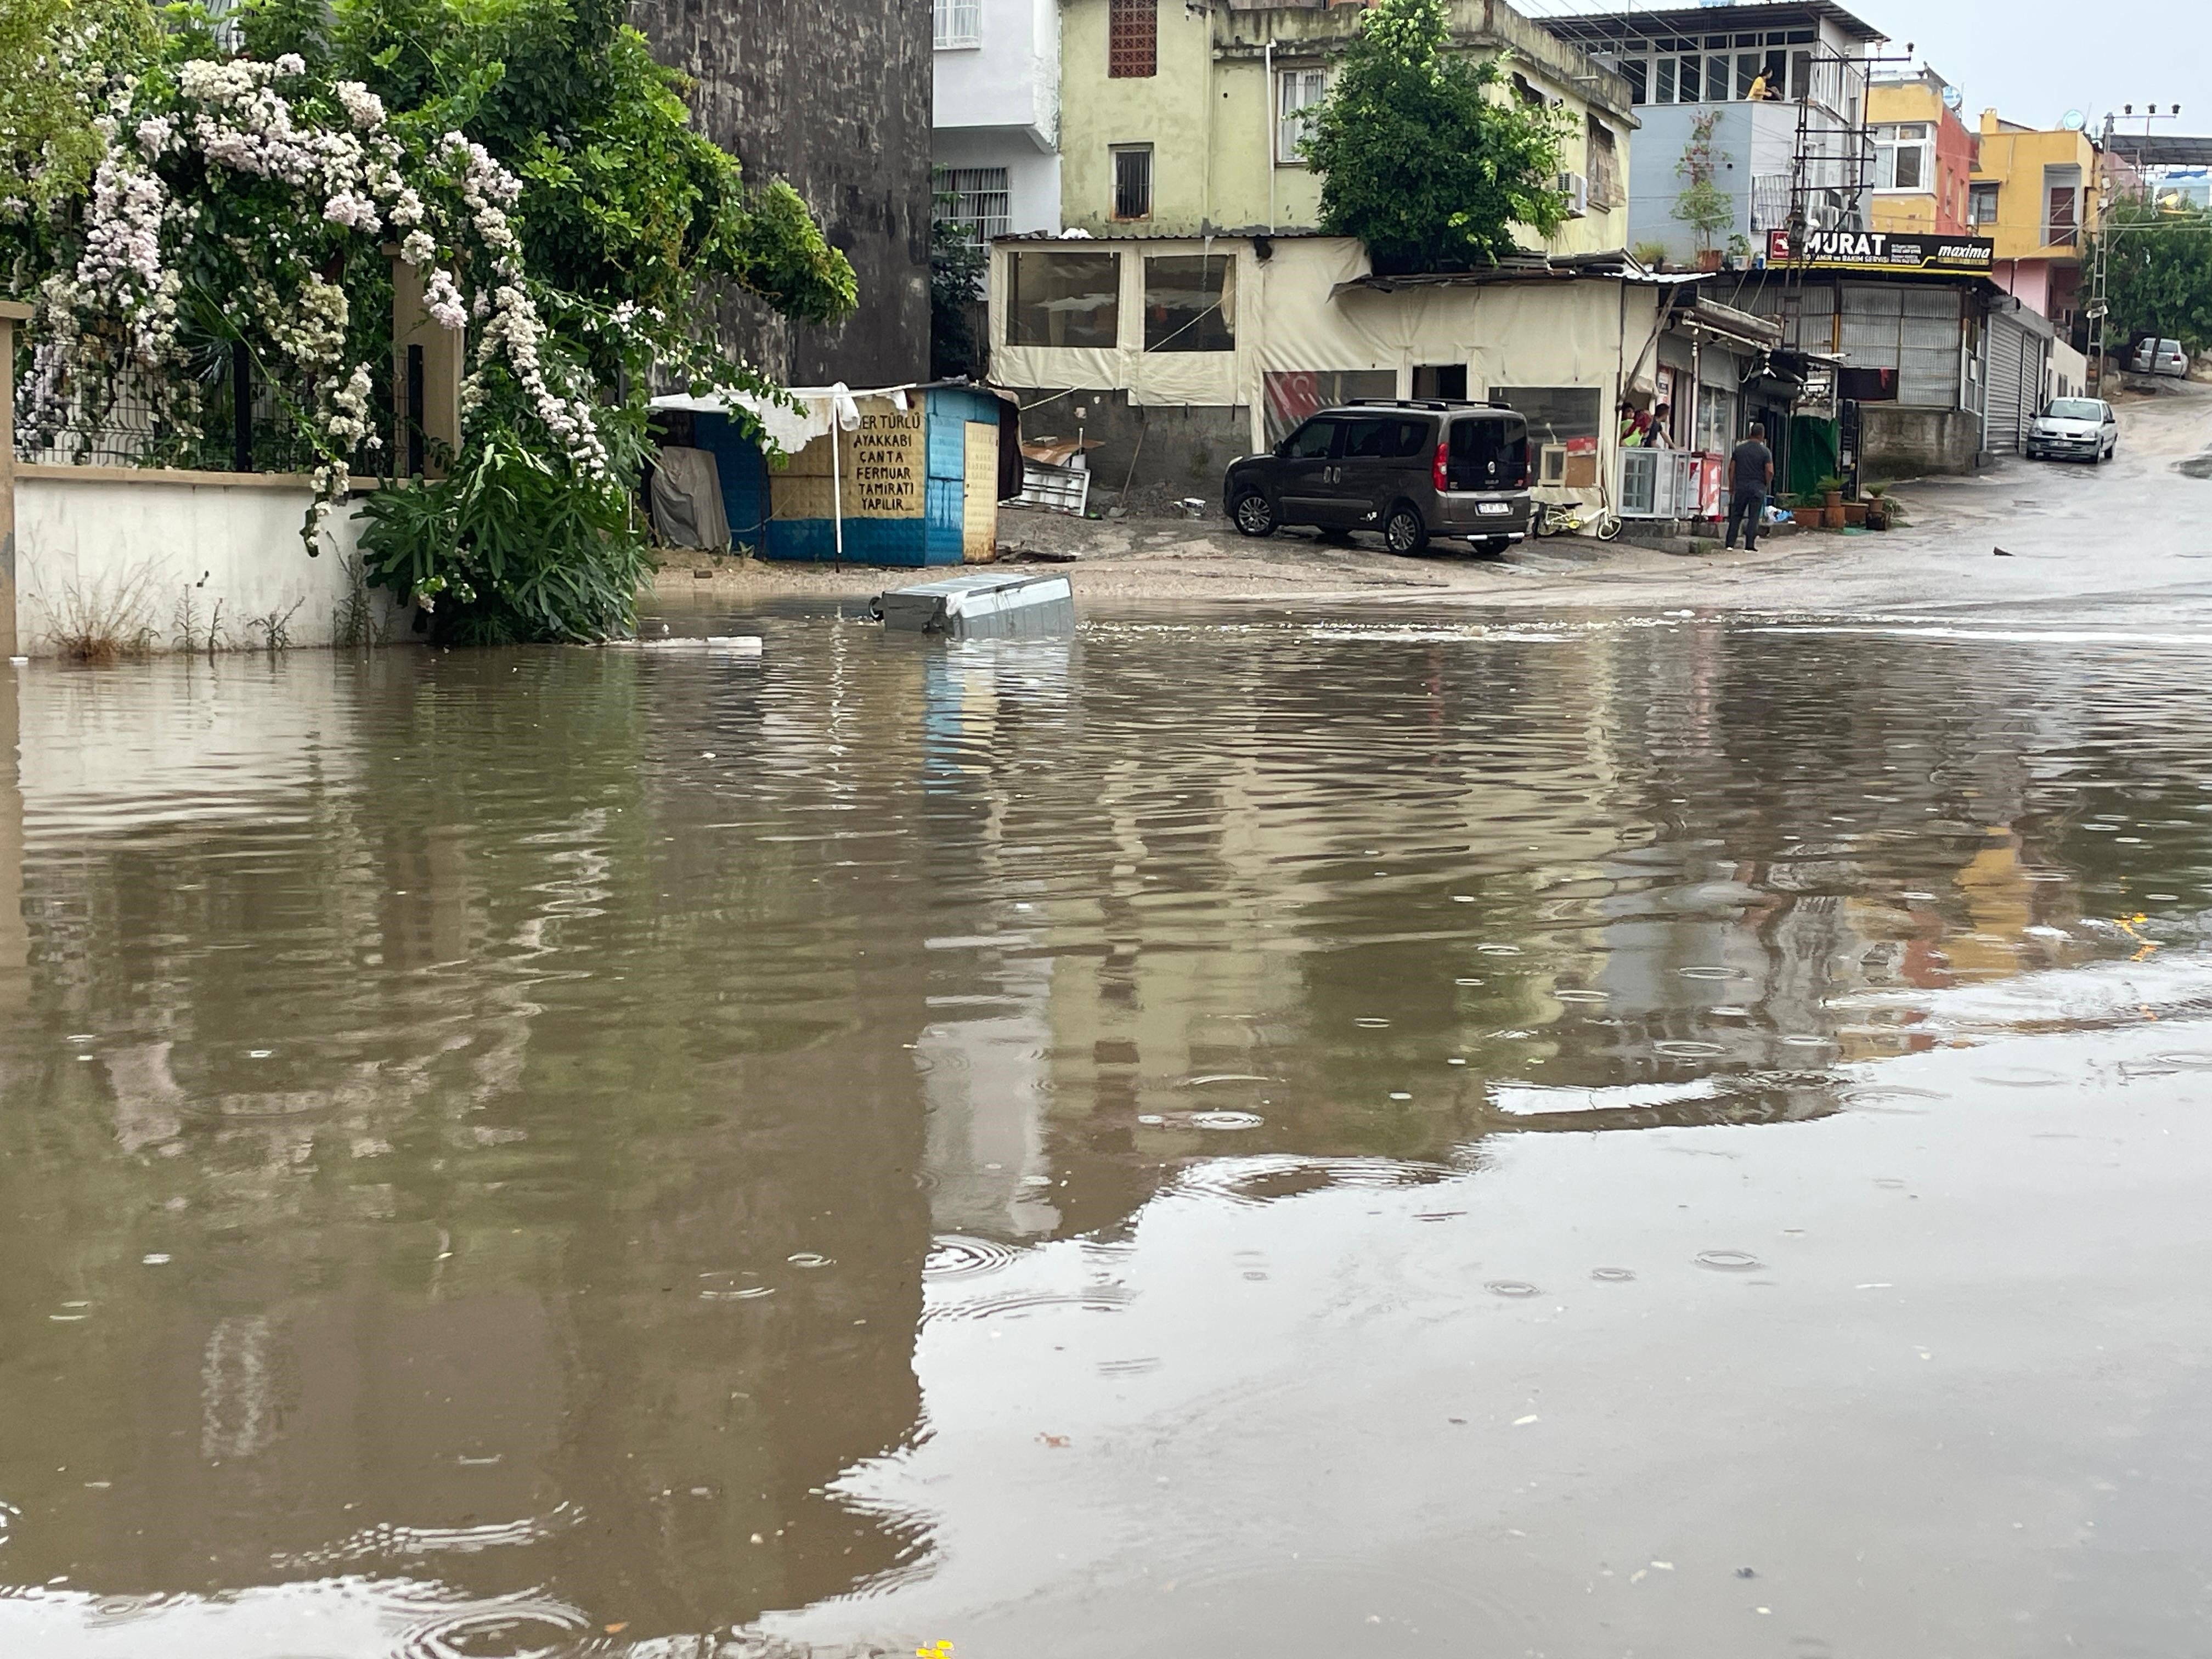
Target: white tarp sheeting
pixel 792 430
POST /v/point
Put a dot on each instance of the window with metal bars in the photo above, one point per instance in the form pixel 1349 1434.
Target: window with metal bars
pixel 1132 181
pixel 959 22
pixel 980 203
pixel 1132 39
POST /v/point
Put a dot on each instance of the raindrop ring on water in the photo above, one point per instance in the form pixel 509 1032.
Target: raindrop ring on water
pixel 1611 1275
pixel 1729 1261
pixel 1226 1119
pixel 1512 1287
pixel 1680 1050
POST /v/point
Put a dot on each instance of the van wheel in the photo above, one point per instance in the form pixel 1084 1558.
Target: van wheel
pixel 1254 515
pixel 1403 532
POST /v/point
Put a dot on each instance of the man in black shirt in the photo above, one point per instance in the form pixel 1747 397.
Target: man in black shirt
pixel 1751 476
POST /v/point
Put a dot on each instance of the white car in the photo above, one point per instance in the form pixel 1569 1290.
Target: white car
pixel 2162 357
pixel 2073 429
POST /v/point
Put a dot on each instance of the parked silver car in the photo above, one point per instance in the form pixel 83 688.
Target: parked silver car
pixel 2073 429
pixel 2162 357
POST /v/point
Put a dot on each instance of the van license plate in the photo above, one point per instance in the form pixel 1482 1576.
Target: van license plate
pixel 1493 509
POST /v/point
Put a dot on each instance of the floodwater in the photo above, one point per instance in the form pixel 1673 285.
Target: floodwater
pixel 1668 1136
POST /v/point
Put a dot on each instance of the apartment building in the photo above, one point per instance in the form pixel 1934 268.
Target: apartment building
pixel 1923 155
pixel 1777 82
pixel 1185 119
pixel 995 142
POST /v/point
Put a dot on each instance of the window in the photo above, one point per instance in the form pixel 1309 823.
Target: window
pixel 1981 205
pixel 1716 79
pixel 1293 394
pixel 1132 39
pixel 979 202
pixel 1903 154
pixel 1747 65
pixel 1298 94
pixel 1312 441
pixel 1190 303
pixel 1060 299
pixel 1489 453
pixel 1601 161
pixel 1556 415
pixel 2062 215
pixel 1638 71
pixel 1663 85
pixel 1132 181
pixel 1685 85
pixel 1716 419
pixel 1447 381
pixel 959 23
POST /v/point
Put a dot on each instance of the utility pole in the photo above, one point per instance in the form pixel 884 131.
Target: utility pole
pixel 2099 307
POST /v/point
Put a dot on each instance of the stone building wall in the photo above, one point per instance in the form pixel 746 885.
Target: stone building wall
pixel 836 99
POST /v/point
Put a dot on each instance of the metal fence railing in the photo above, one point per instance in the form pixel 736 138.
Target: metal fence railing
pixel 219 416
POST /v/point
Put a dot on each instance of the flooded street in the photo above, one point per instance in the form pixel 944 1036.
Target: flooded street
pixel 1239 1133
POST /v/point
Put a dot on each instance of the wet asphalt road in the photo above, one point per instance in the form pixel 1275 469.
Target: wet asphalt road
pixel 1668 1121
pixel 2128 541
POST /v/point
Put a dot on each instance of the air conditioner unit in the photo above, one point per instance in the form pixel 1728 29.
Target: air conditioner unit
pixel 1575 187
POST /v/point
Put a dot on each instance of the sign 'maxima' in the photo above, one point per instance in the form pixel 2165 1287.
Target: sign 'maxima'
pixel 1878 250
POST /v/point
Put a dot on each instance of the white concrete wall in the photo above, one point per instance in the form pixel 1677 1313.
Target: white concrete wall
pixel 998 105
pixel 1032 175
pixel 1011 79
pixel 135 545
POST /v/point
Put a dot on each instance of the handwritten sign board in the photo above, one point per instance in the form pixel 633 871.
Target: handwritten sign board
pixel 883 468
pixel 885 463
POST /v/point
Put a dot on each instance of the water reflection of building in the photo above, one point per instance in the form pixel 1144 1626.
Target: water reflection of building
pixel 453 1235
pixel 634 1027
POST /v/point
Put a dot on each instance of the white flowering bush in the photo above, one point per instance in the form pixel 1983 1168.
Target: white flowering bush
pixel 251 206
pixel 232 194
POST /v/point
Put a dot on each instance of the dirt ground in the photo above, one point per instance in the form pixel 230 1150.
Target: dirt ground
pixel 1158 552
pixel 1156 555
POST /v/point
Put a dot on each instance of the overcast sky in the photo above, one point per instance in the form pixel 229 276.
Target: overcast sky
pixel 2036 59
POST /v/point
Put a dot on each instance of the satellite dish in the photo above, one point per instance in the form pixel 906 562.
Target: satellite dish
pixel 2073 120
pixel 1952 98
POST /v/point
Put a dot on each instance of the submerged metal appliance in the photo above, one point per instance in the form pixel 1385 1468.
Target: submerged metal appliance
pixel 981 606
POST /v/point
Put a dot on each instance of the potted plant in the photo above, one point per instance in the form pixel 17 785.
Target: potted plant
pixel 1701 205
pixel 1739 251
pixel 1877 506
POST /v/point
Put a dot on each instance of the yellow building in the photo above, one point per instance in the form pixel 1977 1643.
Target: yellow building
pixel 1923 156
pixel 1183 120
pixel 2034 191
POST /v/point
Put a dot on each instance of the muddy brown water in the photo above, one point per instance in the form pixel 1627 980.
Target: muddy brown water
pixel 1665 1136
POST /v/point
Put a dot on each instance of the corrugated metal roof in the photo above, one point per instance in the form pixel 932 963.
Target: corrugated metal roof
pixel 1574 24
pixel 1582 267
pixel 2162 149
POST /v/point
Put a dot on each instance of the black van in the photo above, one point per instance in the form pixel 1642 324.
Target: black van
pixel 1410 469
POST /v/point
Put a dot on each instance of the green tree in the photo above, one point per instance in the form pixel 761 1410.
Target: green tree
pixel 959 266
pixel 1426 157
pixel 2159 280
pixel 584 230
pixel 1701 205
pixel 48 48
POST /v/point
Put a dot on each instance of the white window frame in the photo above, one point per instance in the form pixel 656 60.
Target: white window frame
pixel 983 201
pixel 1292 121
pixel 956 25
pixel 1889 142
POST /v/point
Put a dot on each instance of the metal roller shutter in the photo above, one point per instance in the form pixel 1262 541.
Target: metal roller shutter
pixel 1914 331
pixel 2001 423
